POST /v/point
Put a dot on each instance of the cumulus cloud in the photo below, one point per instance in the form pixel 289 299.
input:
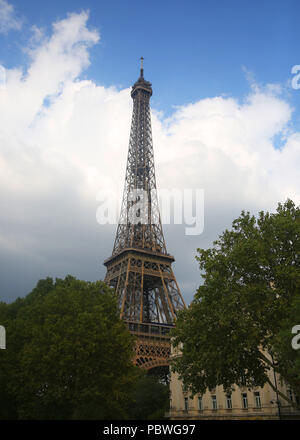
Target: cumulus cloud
pixel 8 19
pixel 62 139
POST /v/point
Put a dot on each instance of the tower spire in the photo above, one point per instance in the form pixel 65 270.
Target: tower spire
pixel 142 68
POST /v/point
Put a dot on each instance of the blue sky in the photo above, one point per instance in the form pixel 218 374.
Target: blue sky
pixel 192 49
pixel 225 119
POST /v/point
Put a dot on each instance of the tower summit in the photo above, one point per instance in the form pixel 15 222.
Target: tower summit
pixel 140 267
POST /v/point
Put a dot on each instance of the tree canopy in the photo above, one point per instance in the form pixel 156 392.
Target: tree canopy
pixel 68 354
pixel 239 323
pixel 151 399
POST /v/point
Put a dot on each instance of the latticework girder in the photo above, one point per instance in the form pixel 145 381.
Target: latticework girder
pixel 140 267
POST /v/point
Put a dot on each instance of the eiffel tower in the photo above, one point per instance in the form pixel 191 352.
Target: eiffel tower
pixel 140 267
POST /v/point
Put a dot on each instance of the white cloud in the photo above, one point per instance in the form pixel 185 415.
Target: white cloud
pixel 8 19
pixel 62 139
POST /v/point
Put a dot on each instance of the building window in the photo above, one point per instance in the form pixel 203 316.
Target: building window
pixel 214 402
pixel 257 399
pixel 245 400
pixel 228 401
pixel 290 394
pixel 186 403
pixel 184 388
pixel 200 403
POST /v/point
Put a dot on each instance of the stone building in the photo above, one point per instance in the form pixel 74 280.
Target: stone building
pixel 242 404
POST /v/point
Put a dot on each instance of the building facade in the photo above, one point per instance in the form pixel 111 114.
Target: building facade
pixel 242 404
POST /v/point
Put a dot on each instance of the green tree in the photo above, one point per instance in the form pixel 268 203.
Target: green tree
pixel 151 399
pixel 68 354
pixel 238 325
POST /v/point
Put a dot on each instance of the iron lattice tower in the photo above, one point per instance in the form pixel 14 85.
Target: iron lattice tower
pixel 140 267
